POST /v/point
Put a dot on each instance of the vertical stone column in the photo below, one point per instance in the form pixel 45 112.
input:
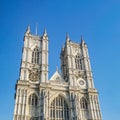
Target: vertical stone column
pixel 48 107
pixel 24 104
pixel 98 108
pixel 71 105
pixel 19 103
pixel 44 58
pixel 45 104
pixel 16 106
pixel 91 107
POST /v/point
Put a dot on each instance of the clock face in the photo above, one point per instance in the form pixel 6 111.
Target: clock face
pixel 81 82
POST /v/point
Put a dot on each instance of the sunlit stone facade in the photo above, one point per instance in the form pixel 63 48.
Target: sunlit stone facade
pixel 69 95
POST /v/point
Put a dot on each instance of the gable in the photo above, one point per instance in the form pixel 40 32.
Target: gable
pixel 56 77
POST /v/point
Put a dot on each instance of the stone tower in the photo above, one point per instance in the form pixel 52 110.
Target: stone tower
pixel 69 95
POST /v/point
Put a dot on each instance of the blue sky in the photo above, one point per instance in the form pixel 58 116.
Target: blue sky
pixel 98 21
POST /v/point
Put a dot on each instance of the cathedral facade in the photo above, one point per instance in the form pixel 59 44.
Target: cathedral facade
pixel 69 95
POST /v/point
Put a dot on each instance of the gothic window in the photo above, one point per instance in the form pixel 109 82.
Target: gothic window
pixel 84 108
pixel 83 104
pixel 33 101
pixel 35 56
pixel 78 62
pixel 33 106
pixel 59 109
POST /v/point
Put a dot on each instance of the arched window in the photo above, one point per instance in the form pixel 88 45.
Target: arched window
pixel 33 106
pixel 78 62
pixel 83 104
pixel 35 56
pixel 59 109
pixel 33 101
pixel 84 108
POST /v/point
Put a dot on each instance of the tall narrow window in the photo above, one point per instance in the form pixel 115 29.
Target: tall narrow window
pixel 84 108
pixel 59 109
pixel 33 103
pixel 35 56
pixel 78 62
pixel 83 103
pixel 33 100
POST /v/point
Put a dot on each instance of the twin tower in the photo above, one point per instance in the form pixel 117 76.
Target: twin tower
pixel 69 95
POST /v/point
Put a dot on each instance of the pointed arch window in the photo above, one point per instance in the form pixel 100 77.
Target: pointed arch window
pixel 84 108
pixel 59 109
pixel 78 62
pixel 83 104
pixel 35 56
pixel 33 106
pixel 33 101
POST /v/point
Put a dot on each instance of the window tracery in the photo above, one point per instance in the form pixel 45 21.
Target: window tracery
pixel 35 56
pixel 33 101
pixel 59 109
pixel 78 62
pixel 83 103
pixel 33 106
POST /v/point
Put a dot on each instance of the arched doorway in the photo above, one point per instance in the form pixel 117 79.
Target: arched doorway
pixel 59 109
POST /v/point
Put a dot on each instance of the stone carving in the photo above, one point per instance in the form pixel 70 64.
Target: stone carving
pixel 34 74
pixel 79 73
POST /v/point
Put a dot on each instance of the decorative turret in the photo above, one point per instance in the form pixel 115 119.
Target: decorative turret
pixel 82 41
pixel 45 32
pixel 27 31
pixel 44 56
pixel 62 48
pixel 67 37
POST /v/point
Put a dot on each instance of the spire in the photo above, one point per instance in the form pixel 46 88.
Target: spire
pixel 28 30
pixel 62 47
pixel 67 37
pixel 82 41
pixel 45 32
pixel 36 28
pixel 57 68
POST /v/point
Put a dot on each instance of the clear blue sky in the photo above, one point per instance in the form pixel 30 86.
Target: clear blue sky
pixel 97 20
